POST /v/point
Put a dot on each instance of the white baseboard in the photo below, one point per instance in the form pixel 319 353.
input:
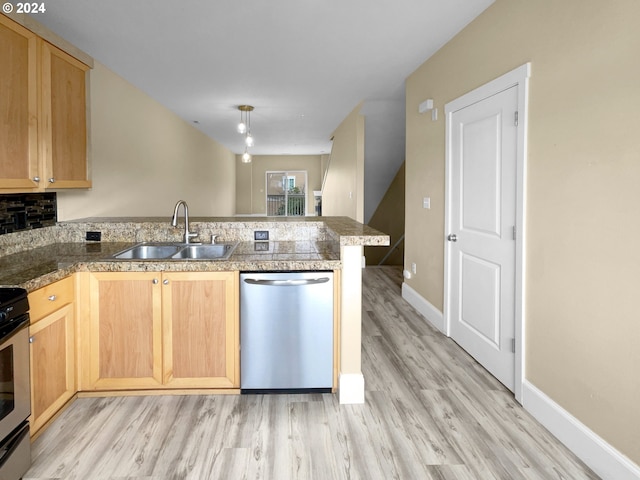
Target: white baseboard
pixel 601 457
pixel 351 388
pixel 426 309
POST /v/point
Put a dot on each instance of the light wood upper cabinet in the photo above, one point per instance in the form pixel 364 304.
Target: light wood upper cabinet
pixel 43 118
pixel 18 107
pixel 52 351
pixel 200 323
pixel 63 125
pixel 150 330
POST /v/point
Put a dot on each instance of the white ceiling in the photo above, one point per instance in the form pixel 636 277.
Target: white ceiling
pixel 303 64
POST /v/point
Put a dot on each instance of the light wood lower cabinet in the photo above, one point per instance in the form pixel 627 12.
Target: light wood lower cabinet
pixel 52 351
pixel 200 329
pixel 170 330
pixel 123 331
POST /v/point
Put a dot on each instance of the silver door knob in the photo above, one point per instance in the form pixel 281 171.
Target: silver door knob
pixel 52 180
pixel 452 237
pixel 154 281
pixel 36 179
pixel 165 282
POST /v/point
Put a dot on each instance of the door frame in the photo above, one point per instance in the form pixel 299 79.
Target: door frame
pixel 518 77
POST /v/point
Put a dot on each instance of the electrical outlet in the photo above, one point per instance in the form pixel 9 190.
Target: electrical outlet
pixel 261 246
pixel 261 235
pixel 93 236
pixel 414 268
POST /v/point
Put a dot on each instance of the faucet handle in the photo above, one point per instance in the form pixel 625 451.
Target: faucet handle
pixel 213 238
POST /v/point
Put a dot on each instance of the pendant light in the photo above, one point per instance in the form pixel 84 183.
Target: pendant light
pixel 244 128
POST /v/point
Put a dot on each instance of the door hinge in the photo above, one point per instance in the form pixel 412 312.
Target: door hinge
pixel 513 345
pixel 514 232
pixel 515 119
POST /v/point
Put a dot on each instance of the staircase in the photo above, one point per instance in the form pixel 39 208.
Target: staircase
pixel 389 218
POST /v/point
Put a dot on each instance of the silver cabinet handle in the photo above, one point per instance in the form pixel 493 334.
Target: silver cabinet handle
pixel 155 281
pixel 286 283
pixel 452 237
pixel 32 339
pixel 52 298
pixel 165 282
pixel 36 179
pixel 52 180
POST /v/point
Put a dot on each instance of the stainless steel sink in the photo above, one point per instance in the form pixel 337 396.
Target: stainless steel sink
pixel 147 251
pixel 177 251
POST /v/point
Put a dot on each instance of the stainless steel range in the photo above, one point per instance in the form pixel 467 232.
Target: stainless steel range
pixel 15 395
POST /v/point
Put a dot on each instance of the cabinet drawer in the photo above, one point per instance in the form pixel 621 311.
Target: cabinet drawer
pixel 48 299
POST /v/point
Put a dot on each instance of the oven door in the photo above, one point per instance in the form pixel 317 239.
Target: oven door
pixel 15 395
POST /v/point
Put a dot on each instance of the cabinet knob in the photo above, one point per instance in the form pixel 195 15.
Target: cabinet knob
pixel 36 179
pixel 32 339
pixel 155 281
pixel 52 298
pixel 165 282
pixel 52 180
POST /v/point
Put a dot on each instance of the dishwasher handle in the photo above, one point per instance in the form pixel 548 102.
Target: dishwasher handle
pixel 287 283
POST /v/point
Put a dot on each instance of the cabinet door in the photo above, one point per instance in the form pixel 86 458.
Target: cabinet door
pixel 201 330
pixel 125 332
pixel 52 365
pixel 63 138
pixel 18 107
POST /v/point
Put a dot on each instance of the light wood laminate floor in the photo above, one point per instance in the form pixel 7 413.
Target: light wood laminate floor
pixel 431 412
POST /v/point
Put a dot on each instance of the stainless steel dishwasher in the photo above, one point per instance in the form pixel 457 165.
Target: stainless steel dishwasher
pixel 286 332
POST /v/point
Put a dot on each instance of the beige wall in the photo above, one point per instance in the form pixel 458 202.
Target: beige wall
pixel 343 193
pixel 251 180
pixel 144 158
pixel 582 327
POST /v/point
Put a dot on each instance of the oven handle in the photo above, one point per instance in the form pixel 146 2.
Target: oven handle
pixel 12 442
pixel 12 328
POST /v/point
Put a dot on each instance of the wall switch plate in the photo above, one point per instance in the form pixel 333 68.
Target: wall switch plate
pixel 414 268
pixel 261 235
pixel 426 202
pixel 93 236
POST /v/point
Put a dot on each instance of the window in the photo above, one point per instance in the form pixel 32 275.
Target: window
pixel 286 193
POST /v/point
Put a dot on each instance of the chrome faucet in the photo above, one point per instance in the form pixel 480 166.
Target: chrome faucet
pixel 174 220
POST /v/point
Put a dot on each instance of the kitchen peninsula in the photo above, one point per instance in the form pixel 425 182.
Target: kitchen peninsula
pixel 37 259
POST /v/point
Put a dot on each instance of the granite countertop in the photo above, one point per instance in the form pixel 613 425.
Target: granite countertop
pixel 33 269
pixel 297 243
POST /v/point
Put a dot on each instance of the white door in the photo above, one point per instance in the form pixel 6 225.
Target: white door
pixel 481 250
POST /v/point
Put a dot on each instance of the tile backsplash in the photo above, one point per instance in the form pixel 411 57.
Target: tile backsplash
pixel 27 211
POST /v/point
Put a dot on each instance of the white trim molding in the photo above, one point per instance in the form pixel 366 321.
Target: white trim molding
pixel 424 307
pixel 351 388
pixel 599 455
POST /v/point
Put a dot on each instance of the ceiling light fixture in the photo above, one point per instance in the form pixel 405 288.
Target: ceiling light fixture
pixel 244 127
